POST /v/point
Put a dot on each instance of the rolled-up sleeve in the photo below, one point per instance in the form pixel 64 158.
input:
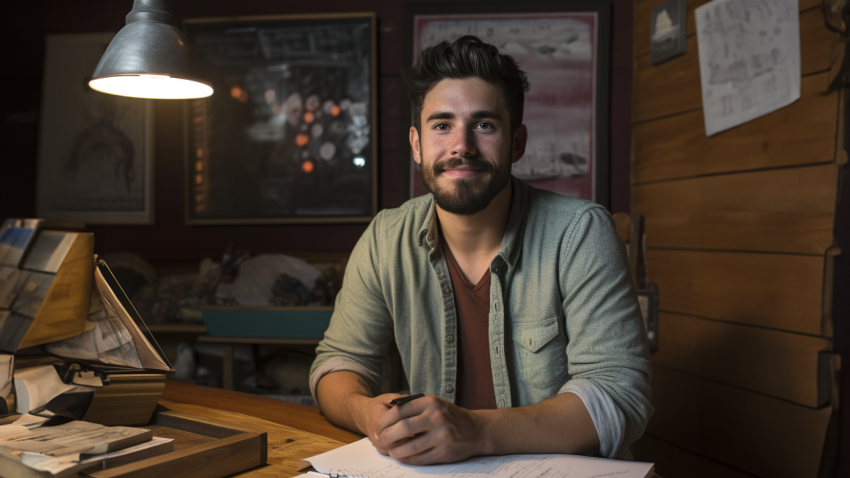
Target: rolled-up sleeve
pixel 361 327
pixel 608 355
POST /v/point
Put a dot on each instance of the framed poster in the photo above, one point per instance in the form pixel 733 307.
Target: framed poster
pixel 564 49
pixel 95 161
pixel 290 134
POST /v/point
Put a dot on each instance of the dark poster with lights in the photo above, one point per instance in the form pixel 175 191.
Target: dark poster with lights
pixel 290 133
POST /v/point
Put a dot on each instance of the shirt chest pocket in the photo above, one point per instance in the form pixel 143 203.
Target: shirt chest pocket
pixel 540 353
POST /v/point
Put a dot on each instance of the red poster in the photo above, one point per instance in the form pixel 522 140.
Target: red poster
pixel 558 51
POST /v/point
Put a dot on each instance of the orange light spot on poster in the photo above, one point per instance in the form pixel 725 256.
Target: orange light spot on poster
pixel 307 166
pixel 302 139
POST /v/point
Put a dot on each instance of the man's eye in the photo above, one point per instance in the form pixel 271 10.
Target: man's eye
pixel 441 126
pixel 484 126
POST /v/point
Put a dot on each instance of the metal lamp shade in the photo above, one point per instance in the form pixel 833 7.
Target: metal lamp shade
pixel 150 58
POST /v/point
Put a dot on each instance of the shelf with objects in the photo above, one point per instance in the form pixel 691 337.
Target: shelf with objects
pixel 275 307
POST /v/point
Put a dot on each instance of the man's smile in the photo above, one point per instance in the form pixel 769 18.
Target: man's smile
pixel 463 172
pixel 458 168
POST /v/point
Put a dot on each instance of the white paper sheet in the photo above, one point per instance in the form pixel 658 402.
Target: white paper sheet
pixel 36 386
pixel 30 421
pixel 361 460
pixel 749 57
pixel 106 341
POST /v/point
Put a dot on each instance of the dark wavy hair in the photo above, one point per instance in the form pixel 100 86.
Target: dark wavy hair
pixel 467 57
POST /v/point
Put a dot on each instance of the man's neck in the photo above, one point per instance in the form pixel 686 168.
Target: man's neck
pixel 474 240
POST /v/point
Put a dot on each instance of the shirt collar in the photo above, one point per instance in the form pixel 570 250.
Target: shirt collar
pixel 429 233
pixel 512 242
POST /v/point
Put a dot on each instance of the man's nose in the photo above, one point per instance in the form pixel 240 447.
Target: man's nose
pixel 463 144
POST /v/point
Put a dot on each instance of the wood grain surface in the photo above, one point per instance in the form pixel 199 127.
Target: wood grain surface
pixel 761 435
pixel 668 88
pixel 677 147
pixel 779 364
pixel 286 446
pixel 215 459
pixel 292 415
pixel 778 291
pixel 674 462
pixel 674 86
pixel 784 210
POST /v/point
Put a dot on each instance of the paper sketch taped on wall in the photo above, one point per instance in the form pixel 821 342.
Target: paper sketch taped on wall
pixel 749 53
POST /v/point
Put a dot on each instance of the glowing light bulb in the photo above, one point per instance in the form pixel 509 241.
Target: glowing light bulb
pixel 161 87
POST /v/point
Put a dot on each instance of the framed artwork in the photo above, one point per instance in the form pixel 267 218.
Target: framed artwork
pixel 668 30
pixel 290 134
pixel 564 49
pixel 95 160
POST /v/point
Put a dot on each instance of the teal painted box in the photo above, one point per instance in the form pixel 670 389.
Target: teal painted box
pixel 267 322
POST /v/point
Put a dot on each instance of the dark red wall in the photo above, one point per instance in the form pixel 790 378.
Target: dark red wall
pixel 21 68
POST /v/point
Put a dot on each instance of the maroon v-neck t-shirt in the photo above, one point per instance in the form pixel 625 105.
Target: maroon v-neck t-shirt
pixel 474 375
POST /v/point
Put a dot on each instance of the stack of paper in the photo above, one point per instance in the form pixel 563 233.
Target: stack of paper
pixel 27 450
pixel 361 460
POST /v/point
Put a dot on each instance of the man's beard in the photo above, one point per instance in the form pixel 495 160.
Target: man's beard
pixel 463 197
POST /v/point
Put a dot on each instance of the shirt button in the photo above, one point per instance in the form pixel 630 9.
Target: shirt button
pixel 450 389
pixel 447 289
pixel 449 338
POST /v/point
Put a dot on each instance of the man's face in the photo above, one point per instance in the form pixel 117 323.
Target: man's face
pixel 465 147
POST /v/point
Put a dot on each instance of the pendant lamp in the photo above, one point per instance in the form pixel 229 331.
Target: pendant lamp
pixel 150 58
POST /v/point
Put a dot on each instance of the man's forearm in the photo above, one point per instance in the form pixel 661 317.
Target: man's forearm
pixel 340 393
pixel 560 424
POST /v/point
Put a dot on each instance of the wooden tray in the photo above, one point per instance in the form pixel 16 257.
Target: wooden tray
pixel 203 447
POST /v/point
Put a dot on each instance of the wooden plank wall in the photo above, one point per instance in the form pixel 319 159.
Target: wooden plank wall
pixel 740 240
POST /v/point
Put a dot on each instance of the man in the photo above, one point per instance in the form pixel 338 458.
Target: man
pixel 512 307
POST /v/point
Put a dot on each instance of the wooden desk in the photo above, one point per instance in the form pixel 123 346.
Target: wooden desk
pixel 294 431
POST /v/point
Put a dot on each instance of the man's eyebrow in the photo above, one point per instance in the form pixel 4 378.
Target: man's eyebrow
pixel 481 114
pixel 484 114
pixel 441 115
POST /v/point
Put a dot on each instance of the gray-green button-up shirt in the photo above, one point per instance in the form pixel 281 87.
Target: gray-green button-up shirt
pixel 563 313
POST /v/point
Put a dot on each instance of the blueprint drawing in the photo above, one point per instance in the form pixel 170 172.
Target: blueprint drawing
pixel 749 58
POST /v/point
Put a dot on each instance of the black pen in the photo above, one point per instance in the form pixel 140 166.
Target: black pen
pixel 399 401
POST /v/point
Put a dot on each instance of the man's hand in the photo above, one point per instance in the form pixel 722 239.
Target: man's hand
pixel 428 431
pixel 368 413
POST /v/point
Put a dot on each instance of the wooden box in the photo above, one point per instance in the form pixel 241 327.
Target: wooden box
pixel 203 447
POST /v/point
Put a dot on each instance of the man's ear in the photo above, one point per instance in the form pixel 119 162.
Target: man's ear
pixel 520 141
pixel 414 145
